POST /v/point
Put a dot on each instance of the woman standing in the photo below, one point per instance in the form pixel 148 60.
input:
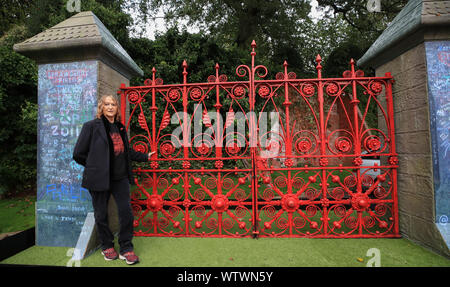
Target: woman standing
pixel 103 149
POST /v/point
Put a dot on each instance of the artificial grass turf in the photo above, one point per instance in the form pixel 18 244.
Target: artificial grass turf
pixel 247 252
pixel 242 252
pixel 17 214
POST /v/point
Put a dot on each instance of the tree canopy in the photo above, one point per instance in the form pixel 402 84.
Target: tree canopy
pixel 239 21
pixel 283 30
pixel 367 24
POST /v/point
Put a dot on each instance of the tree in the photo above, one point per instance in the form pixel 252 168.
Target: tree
pixel 235 21
pixel 21 19
pixel 44 14
pixel 13 12
pixel 282 30
pixel 168 51
pixel 278 27
pixel 17 115
pixel 339 59
pixel 364 26
pixel 368 23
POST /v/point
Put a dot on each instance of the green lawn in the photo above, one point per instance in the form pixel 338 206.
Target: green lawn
pixel 17 214
pixel 247 252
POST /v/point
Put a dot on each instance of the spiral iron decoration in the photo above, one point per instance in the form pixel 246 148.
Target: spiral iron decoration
pixel 308 177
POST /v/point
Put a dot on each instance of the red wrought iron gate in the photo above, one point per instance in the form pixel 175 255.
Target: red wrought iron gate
pixel 275 158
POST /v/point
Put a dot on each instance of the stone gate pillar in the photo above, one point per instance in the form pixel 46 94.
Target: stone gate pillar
pixel 79 61
pixel 415 48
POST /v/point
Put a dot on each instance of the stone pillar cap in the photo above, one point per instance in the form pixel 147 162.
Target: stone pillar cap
pixel 408 29
pixel 82 36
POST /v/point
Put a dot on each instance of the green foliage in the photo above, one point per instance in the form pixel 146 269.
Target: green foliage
pixel 13 12
pixel 166 54
pixel 366 25
pixel 44 14
pixel 112 16
pixel 18 115
pixel 237 22
pixel 18 89
pixel 338 62
pixel 339 59
pixel 361 29
pixel 17 214
pixel 282 30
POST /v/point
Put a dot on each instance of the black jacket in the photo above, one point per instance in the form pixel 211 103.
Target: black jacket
pixel 94 150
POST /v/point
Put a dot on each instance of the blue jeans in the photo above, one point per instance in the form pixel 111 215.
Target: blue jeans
pixel 120 189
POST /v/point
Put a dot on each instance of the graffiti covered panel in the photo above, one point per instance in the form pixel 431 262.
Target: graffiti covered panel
pixel 438 70
pixel 67 98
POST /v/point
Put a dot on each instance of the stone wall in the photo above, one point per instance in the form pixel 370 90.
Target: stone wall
pixel 109 80
pixel 79 61
pixel 412 136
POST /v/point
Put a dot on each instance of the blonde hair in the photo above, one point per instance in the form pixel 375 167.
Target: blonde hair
pixel 100 104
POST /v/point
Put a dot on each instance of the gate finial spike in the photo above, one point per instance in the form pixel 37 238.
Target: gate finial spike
pixel 319 66
pixel 184 72
pixel 285 64
pixel 253 53
pixel 217 66
pixel 318 60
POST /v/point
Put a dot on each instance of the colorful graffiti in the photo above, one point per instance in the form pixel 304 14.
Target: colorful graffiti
pixel 67 98
pixel 438 66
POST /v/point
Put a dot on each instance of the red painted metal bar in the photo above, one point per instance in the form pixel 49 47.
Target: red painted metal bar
pixel 315 185
pixel 123 103
pixel 393 160
pixel 253 146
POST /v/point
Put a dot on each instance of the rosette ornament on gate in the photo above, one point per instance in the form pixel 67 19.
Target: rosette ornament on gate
pixel 220 205
pixel 316 181
pixel 290 205
pixel 159 211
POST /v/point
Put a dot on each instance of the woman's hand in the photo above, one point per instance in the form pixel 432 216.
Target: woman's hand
pixel 150 154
